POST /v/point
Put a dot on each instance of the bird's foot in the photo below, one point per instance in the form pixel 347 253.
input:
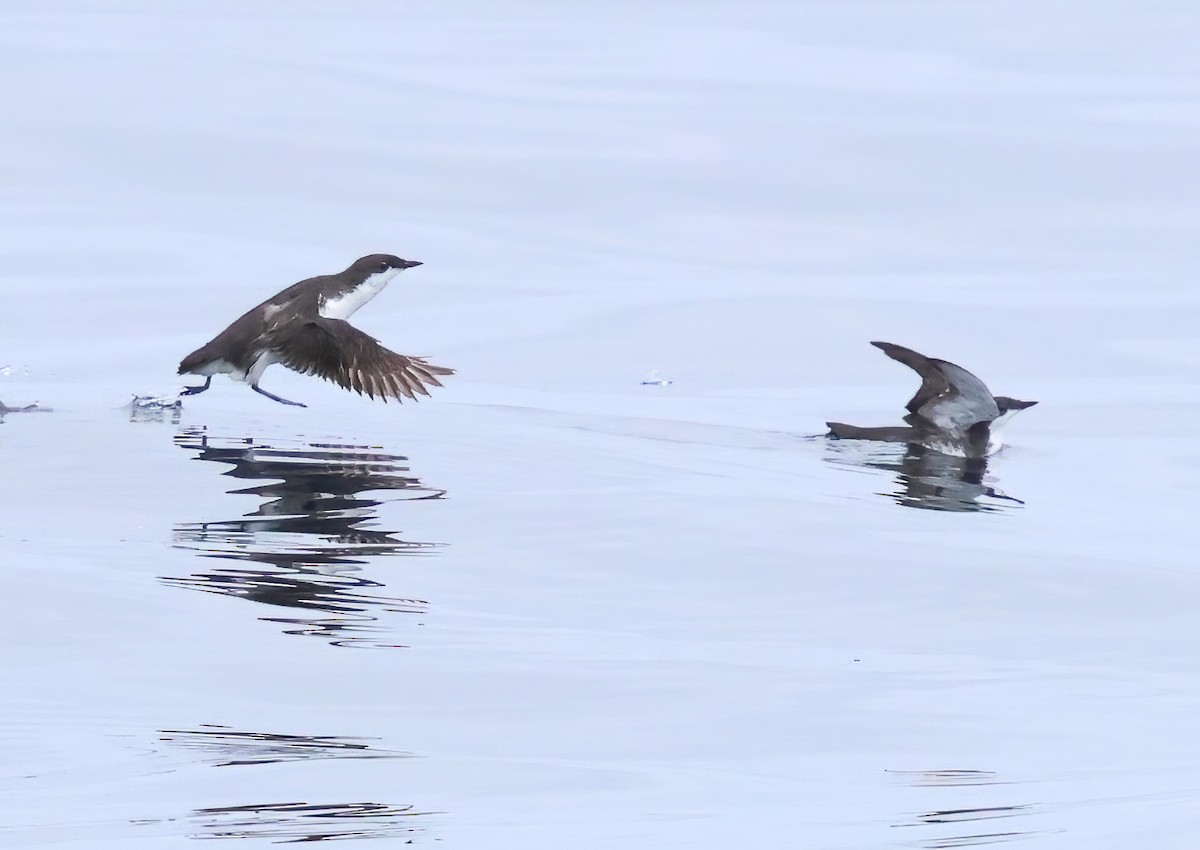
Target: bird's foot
pixel 274 397
pixel 199 389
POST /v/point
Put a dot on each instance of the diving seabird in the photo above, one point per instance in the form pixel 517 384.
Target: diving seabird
pixel 953 410
pixel 304 327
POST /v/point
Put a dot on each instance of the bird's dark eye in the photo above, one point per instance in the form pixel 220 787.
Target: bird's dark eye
pixel 383 267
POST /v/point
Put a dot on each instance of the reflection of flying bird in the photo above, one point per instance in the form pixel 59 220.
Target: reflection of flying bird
pixel 953 410
pixel 303 547
pixel 304 327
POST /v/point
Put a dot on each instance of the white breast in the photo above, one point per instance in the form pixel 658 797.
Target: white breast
pixel 343 306
pixel 995 435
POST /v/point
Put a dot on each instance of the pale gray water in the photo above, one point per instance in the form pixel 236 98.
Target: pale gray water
pixel 552 606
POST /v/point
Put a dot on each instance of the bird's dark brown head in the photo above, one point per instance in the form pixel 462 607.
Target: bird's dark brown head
pixel 378 264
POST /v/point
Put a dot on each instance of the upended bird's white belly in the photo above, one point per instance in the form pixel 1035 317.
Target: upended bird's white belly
pixel 957 446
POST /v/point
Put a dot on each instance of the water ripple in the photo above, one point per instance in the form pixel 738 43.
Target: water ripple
pixel 296 822
pixel 229 747
pixel 951 821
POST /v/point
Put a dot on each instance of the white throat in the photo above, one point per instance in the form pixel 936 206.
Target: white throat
pixel 343 306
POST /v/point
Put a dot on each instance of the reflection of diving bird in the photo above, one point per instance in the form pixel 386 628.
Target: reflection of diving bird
pixel 952 410
pixel 304 327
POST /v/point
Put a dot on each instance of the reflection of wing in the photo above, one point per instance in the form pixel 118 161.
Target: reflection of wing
pixel 340 352
pixel 950 397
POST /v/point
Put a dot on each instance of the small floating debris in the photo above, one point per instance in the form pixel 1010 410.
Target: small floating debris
pixel 150 408
pixel 654 379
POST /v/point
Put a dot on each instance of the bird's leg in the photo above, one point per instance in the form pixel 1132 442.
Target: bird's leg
pixel 194 390
pixel 274 397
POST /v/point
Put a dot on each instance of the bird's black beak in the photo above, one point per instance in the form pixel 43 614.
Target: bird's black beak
pixel 408 264
pixel 1007 404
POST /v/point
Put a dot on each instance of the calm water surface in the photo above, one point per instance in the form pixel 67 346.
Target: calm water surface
pixel 552 606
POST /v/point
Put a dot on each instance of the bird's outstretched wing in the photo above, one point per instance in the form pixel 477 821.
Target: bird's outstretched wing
pixel 933 380
pixel 950 397
pixel 337 351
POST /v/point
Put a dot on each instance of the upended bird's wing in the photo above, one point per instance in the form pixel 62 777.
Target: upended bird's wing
pixel 950 397
pixel 337 351
pixel 933 381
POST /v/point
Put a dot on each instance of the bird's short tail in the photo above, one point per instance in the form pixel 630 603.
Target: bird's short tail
pixel 193 361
